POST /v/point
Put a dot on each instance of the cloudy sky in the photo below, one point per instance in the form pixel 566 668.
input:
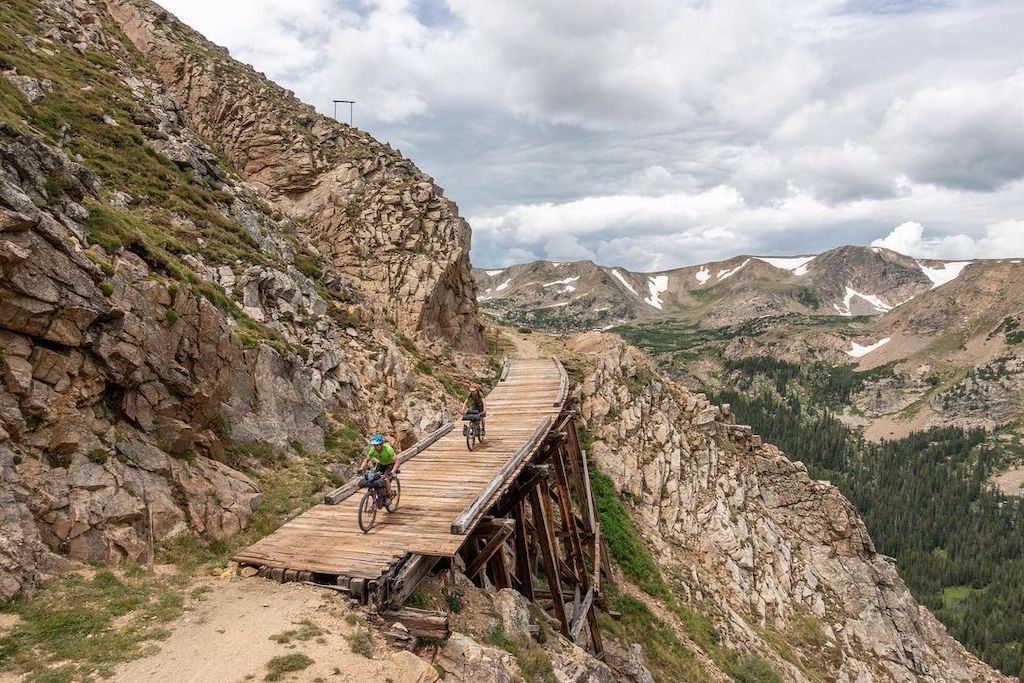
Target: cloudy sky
pixel 658 133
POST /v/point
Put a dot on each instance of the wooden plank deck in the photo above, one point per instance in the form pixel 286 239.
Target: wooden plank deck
pixel 436 486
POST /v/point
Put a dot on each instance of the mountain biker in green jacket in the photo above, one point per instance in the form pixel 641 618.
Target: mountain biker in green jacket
pixel 383 457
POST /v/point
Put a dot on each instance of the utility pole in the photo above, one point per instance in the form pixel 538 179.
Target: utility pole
pixel 349 103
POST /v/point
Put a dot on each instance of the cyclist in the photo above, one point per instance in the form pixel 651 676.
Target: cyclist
pixel 475 402
pixel 383 457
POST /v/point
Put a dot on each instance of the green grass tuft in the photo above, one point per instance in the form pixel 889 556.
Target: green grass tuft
pixel 279 666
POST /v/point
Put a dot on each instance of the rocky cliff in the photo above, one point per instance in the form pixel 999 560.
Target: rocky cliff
pixel 372 214
pixel 164 319
pixel 780 563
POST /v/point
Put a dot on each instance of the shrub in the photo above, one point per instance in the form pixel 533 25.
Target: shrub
pixel 172 316
pixel 747 668
pixel 418 599
pixel 279 666
pixel 454 601
pixel 107 288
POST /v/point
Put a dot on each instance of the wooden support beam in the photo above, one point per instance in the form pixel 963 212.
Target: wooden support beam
pixel 606 565
pixel 523 569
pixel 420 623
pixel 499 569
pixel 352 485
pixel 589 506
pixel 575 547
pixel 527 479
pixel 504 529
pixel 580 615
pixel 408 575
pixel 595 632
pixel 541 507
pixel 504 369
pixel 597 558
pixel 466 518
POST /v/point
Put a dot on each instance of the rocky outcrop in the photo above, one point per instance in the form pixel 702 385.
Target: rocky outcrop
pixel 748 532
pixel 367 210
pixel 504 619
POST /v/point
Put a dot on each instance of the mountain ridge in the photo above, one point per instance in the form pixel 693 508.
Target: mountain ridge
pixel 847 280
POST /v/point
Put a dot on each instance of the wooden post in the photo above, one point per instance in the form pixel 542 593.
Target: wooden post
pixel 541 504
pixel 503 528
pixel 499 568
pixel 569 519
pixel 523 570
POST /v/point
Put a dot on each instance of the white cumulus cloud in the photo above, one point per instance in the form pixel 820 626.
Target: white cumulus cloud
pixel 1000 240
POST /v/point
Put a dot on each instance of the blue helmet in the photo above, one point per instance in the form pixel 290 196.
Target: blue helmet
pixel 377 440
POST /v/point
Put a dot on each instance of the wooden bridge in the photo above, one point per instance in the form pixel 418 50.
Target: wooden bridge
pixel 517 509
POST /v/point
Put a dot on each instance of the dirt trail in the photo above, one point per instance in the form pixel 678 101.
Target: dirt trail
pixel 526 347
pixel 226 638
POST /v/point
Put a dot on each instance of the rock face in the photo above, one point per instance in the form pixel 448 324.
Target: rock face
pixel 150 318
pixel 368 210
pixel 748 532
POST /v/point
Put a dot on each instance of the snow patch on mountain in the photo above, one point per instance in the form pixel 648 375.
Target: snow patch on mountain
pixel 872 299
pixel 621 279
pixel 723 274
pixel 562 282
pixel 794 264
pixel 703 275
pixel 656 284
pixel 948 272
pixel 858 351
pixel 503 285
pixel 492 273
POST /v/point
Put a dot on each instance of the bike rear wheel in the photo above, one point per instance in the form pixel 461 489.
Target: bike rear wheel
pixel 471 439
pixel 396 493
pixel 367 511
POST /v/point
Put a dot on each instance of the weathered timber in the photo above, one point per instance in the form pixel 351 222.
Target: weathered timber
pixel 541 504
pixel 563 382
pixel 408 575
pixel 352 485
pixel 502 529
pixel 504 369
pixel 420 623
pixel 465 519
pixel 523 570
pixel 590 508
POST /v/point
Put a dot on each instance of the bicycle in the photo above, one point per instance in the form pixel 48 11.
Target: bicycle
pixel 471 430
pixel 376 497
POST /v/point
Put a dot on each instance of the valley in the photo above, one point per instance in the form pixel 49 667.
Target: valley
pixel 921 384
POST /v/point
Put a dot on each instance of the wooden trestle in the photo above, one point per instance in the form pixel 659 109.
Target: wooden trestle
pixel 517 513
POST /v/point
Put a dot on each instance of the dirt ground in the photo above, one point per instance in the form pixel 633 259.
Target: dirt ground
pixel 226 638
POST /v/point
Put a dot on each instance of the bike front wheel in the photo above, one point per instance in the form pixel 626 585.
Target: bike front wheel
pixel 367 511
pixel 470 440
pixel 396 493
